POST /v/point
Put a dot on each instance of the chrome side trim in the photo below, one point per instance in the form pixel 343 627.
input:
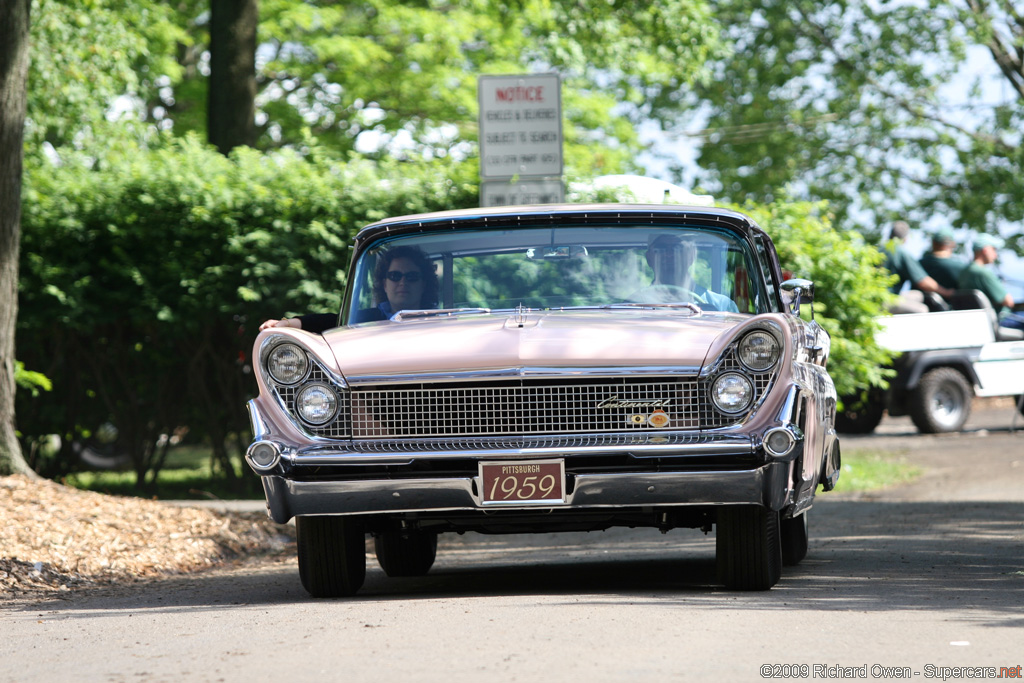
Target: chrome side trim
pixel 761 486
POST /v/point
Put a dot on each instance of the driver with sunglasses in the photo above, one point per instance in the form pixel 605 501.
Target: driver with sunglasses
pixel 403 279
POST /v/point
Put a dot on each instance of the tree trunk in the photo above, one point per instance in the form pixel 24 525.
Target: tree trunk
pixel 14 22
pixel 231 105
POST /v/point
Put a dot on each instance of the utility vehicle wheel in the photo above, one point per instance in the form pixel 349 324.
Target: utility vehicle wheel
pixel 748 547
pixel 794 540
pixel 332 555
pixel 408 553
pixel 941 402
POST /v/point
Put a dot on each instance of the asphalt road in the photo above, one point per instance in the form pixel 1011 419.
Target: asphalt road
pixel 928 576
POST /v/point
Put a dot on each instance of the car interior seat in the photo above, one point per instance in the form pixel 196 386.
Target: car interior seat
pixel 935 303
pixel 971 299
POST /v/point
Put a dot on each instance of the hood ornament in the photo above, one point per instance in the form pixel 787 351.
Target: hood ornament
pixel 520 316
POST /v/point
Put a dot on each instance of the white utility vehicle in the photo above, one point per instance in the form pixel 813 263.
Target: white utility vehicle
pixel 946 358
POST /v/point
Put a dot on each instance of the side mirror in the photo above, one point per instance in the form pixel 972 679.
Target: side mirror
pixel 795 292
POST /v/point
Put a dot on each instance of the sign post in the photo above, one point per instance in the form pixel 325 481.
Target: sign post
pixel 520 139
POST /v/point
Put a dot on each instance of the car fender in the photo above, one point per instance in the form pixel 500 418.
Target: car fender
pixel 913 366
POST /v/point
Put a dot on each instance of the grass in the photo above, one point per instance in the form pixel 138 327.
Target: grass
pixel 187 475
pixel 865 470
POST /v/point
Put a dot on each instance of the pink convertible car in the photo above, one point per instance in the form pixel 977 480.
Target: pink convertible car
pixel 549 368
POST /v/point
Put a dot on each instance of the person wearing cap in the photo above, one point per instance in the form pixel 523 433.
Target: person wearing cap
pixel 940 263
pixel 977 276
pixel 900 263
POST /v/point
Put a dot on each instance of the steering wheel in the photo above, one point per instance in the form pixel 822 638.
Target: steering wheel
pixel 666 294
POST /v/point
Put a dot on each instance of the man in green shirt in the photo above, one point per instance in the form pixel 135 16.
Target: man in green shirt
pixel 940 262
pixel 977 276
pixel 900 263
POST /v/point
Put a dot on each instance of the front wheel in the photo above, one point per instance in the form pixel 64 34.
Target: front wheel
pixel 941 402
pixel 748 547
pixel 332 555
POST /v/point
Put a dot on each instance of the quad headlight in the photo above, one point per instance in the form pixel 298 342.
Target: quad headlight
pixel 758 351
pixel 287 363
pixel 316 403
pixel 732 393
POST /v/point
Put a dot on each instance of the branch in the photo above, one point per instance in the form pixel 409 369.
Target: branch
pixel 1009 63
pixel 819 34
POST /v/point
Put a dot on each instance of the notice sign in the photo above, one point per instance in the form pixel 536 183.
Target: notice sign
pixel 529 191
pixel 520 126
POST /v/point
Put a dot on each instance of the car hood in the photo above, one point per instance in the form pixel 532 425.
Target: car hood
pixel 545 339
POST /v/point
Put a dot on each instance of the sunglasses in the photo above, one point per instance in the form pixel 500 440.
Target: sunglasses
pixel 397 275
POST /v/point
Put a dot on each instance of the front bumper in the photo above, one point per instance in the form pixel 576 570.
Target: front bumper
pixel 767 485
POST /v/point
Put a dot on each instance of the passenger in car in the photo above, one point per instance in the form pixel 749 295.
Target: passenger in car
pixel 940 263
pixel 404 278
pixel 977 276
pixel 672 259
pixel 900 263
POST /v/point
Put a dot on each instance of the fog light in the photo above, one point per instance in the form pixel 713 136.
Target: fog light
pixel 779 442
pixel 263 455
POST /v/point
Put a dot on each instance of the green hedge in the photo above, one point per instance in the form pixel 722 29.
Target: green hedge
pixel 145 275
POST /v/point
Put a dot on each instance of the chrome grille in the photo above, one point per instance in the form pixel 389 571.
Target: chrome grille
pixel 529 407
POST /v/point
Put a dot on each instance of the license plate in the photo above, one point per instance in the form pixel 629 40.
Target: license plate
pixel 523 482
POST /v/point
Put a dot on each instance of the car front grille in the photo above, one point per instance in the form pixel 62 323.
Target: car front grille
pixel 525 407
pixel 534 407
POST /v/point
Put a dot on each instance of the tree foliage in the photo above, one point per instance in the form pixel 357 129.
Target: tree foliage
pixel 91 59
pixel 880 108
pixel 399 77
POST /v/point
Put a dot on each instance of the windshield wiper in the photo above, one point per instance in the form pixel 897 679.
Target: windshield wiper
pixel 438 313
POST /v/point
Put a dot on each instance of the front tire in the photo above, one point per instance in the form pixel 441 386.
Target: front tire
pixel 408 553
pixel 332 555
pixel 941 402
pixel 748 547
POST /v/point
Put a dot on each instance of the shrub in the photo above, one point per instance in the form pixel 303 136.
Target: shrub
pixel 145 275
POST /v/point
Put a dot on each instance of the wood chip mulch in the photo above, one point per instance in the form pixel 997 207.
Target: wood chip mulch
pixel 54 538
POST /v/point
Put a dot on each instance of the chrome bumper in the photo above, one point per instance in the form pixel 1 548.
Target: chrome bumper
pixel 767 485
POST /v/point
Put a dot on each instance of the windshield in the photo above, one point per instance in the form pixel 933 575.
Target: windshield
pixel 557 267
